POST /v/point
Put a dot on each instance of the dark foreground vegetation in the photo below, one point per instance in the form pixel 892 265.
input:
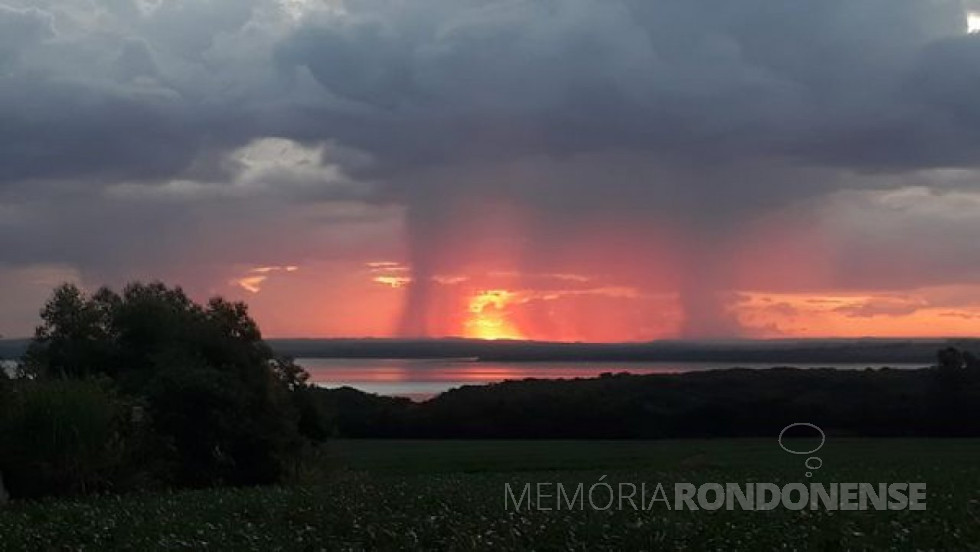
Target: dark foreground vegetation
pixel 942 401
pixel 146 389
pixel 449 495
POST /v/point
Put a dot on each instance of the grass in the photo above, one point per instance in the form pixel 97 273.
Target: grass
pixel 449 495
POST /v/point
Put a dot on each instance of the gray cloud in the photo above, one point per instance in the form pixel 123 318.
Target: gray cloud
pixel 829 82
pixel 121 121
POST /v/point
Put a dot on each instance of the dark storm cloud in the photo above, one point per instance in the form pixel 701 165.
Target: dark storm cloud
pixel 873 84
pixel 879 84
pixel 698 114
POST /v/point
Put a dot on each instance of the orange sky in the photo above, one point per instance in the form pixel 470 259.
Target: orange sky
pixel 605 280
pixel 331 299
pixel 616 281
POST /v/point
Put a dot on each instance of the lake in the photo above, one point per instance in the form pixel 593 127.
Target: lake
pixel 420 379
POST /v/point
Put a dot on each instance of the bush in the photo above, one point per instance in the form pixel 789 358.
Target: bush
pixel 60 437
pixel 219 429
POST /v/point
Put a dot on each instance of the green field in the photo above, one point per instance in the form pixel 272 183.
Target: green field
pixel 449 495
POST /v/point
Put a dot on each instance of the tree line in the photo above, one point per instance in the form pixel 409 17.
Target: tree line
pixel 942 401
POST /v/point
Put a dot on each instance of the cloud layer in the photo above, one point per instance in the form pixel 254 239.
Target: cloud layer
pixel 691 147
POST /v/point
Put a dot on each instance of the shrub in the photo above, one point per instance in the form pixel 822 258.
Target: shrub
pixel 60 436
pixel 220 429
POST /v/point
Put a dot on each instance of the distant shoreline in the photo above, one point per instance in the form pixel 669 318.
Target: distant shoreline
pixel 777 351
pixel 831 351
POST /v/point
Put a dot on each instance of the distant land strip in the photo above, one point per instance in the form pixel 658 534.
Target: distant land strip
pixel 809 351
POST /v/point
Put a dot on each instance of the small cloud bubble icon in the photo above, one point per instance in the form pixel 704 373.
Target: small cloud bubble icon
pixel 812 463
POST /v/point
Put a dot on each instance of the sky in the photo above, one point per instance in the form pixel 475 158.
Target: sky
pixel 574 170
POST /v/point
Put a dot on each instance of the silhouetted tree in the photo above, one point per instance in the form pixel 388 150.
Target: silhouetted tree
pixel 219 400
pixel 72 339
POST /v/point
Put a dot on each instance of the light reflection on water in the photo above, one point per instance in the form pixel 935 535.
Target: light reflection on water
pixel 420 379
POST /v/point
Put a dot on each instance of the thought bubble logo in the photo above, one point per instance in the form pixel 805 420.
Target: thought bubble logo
pixel 812 463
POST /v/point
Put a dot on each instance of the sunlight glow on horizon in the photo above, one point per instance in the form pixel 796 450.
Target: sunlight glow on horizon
pixel 540 306
pixel 488 317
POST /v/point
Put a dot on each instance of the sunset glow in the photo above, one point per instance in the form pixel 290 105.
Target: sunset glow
pixel 489 318
pixel 392 281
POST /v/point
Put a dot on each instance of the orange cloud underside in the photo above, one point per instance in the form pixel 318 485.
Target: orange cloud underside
pixel 488 280
pixel 354 300
pixel 921 313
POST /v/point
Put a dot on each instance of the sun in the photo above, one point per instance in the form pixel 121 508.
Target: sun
pixel 488 316
pixel 973 22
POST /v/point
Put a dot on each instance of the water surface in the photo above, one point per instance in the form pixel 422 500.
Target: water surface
pixel 420 379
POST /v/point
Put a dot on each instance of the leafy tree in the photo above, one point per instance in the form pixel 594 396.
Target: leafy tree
pixel 72 339
pixel 223 407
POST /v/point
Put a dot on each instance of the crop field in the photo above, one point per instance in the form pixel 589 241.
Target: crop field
pixel 450 495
